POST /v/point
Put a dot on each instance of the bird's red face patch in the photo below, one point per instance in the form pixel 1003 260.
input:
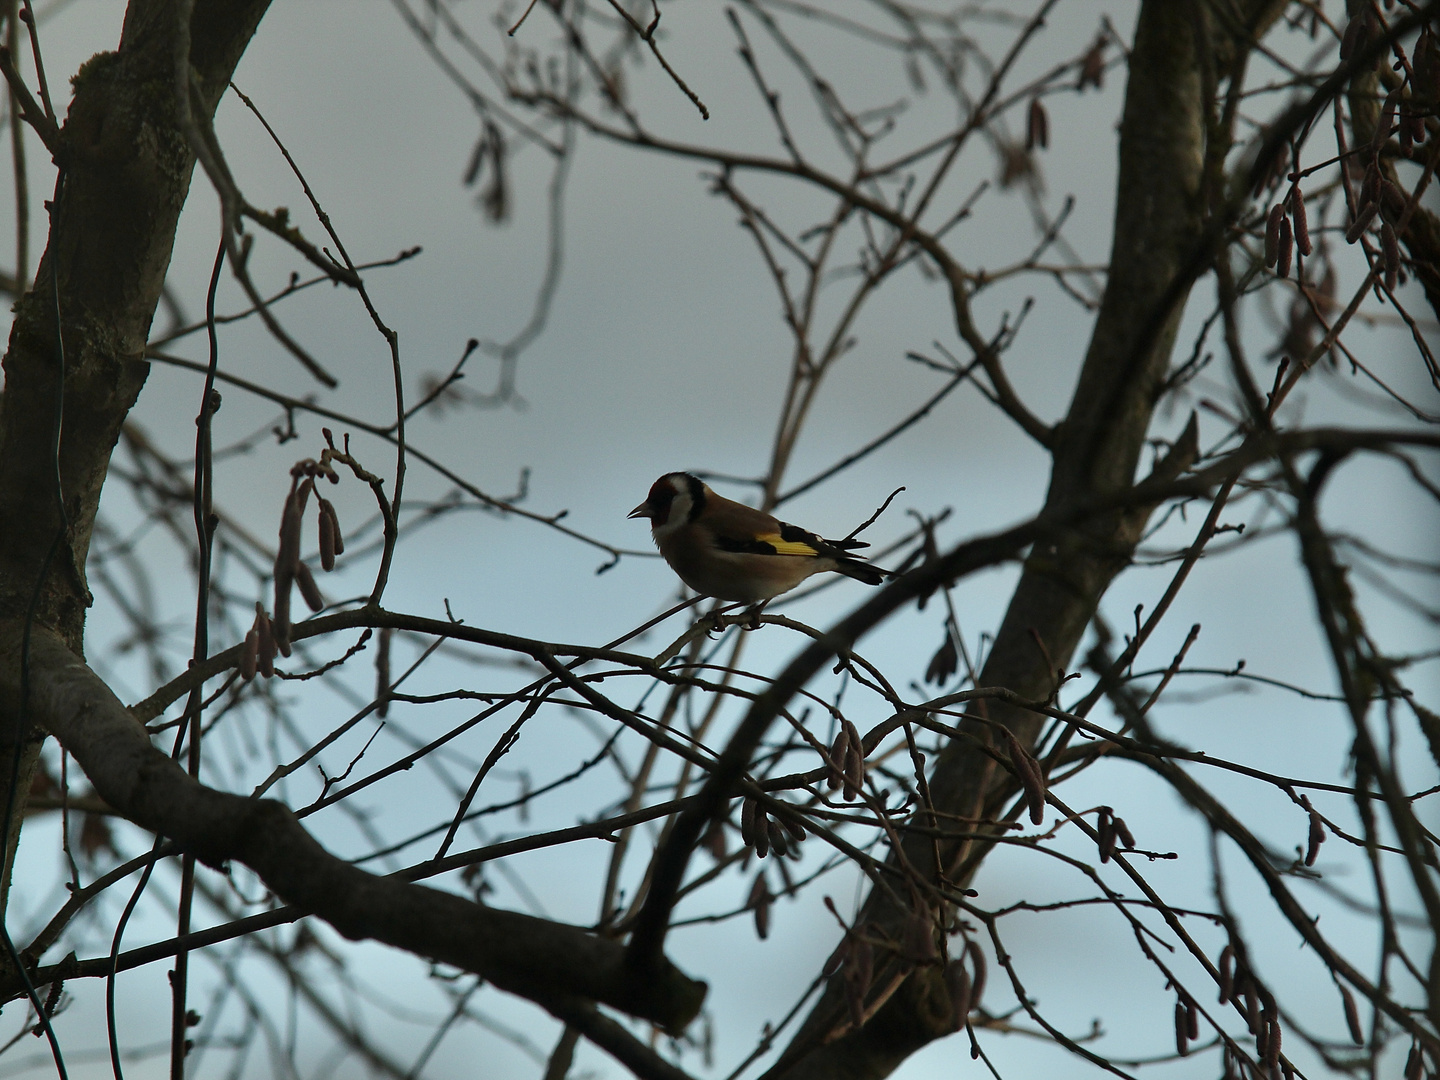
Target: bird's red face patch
pixel 673 500
pixel 662 494
pixel 656 506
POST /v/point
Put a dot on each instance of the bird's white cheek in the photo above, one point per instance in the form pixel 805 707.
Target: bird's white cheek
pixel 661 529
pixel 679 514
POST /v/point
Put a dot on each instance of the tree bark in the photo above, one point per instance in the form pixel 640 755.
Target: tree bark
pixel 126 172
pixel 548 962
pixel 1160 216
pixel 126 167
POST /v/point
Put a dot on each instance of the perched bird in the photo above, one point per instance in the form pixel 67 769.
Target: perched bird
pixel 731 551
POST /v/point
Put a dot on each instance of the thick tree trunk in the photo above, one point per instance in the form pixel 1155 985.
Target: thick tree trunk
pixel 126 168
pixel 126 171
pixel 1160 216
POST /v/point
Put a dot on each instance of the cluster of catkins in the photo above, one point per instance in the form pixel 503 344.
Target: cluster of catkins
pixel 846 763
pixel 271 634
pixel 1187 1023
pixel 1028 771
pixel 845 768
pixel 1281 238
pixel 1262 1016
pixel 1111 831
pixel 854 960
pixel 782 834
pixel 1402 115
pixel 1378 193
pixel 760 831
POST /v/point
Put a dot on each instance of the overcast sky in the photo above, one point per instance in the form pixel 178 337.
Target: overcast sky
pixel 665 349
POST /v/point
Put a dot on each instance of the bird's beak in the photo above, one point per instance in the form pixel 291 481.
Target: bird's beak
pixel 643 510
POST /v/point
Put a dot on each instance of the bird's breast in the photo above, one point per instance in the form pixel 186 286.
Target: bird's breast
pixel 746 576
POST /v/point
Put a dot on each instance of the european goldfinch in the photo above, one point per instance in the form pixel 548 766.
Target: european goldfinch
pixel 731 551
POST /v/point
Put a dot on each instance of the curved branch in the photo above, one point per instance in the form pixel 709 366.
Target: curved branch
pixel 532 957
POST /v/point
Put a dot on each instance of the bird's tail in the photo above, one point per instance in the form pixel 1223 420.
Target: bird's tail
pixel 861 571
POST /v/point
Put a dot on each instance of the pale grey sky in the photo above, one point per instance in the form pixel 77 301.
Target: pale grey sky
pixel 665 350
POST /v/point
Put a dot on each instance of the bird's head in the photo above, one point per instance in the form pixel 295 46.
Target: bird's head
pixel 674 499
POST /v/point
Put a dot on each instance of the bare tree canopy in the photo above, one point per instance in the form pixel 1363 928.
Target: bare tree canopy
pixel 1107 330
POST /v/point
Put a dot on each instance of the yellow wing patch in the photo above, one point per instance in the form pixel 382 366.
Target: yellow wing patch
pixel 786 547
